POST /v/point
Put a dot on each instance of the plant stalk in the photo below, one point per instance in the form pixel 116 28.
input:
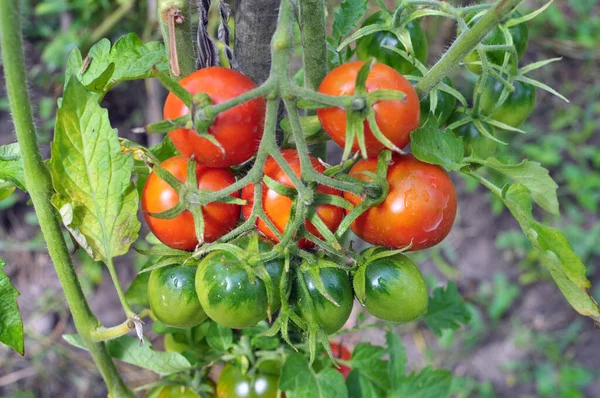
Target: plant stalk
pixel 39 186
pixel 463 45
pixel 174 18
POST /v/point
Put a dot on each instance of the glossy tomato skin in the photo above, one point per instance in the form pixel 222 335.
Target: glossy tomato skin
pixel 228 294
pixel 278 207
pixel 177 392
pixel 520 36
pixel 341 352
pixel 444 108
pixel 419 209
pixel 233 384
pixel 372 45
pixel 475 143
pixel 324 312
pixel 396 119
pixel 395 289
pixel 179 232
pixel 238 130
pixel 515 109
pixel 173 298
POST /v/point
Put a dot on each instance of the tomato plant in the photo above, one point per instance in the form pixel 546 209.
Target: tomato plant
pixel 396 119
pixel 278 207
pixel 373 45
pixel 220 84
pixel 208 271
pixel 179 232
pixel 391 288
pixel 177 392
pixel 418 211
pixel 340 351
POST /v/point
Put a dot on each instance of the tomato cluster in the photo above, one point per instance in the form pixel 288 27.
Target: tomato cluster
pixel 288 259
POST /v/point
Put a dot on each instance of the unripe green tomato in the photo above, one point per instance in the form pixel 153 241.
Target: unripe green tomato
pixel 323 311
pixel 234 384
pixel 177 392
pixel 475 143
pixel 515 109
pixel 444 108
pixel 173 298
pixel 372 45
pixel 519 33
pixel 394 289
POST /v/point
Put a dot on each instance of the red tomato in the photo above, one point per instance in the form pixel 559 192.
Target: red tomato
pixel 238 130
pixel 179 232
pixel 396 119
pixel 420 207
pixel 278 207
pixel 341 352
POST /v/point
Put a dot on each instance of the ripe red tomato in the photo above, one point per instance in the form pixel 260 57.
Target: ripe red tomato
pixel 278 207
pixel 341 352
pixel 179 232
pixel 238 130
pixel 420 207
pixel 396 119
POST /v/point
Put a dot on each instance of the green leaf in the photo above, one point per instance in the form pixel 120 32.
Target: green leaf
pixel 443 148
pixel 534 177
pixel 366 359
pixel 129 350
pixel 91 176
pixel 11 166
pixel 360 386
pixel 11 324
pixel 137 293
pixel 128 59
pixel 310 125
pixel 298 380
pixel 505 293
pixel 397 353
pixel 556 253
pixel 447 310
pixel 219 337
pixel 424 384
pixel 347 16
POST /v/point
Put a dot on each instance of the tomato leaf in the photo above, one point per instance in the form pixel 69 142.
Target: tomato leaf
pixel 11 324
pixel 443 148
pixel 447 310
pixel 533 177
pixel 298 380
pixel 11 166
pixel 137 293
pixel 219 337
pixel 91 176
pixel 347 16
pixel 129 350
pixel 424 384
pixel 366 359
pixel 556 253
pixel 128 59
pixel 397 353
pixel 359 386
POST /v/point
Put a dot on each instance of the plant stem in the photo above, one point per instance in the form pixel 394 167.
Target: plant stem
pixel 39 186
pixel 313 31
pixel 115 279
pixel 463 45
pixel 181 50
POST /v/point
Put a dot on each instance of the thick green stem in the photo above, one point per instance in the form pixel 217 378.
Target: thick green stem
pixel 463 45
pixel 313 30
pixel 39 186
pixel 174 17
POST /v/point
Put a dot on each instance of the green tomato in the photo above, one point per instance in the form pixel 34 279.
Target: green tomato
pixel 444 108
pixel 323 311
pixel 519 33
pixel 475 143
pixel 173 298
pixel 234 384
pixel 394 288
pixel 515 109
pixel 372 45
pixel 229 295
pixel 177 392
